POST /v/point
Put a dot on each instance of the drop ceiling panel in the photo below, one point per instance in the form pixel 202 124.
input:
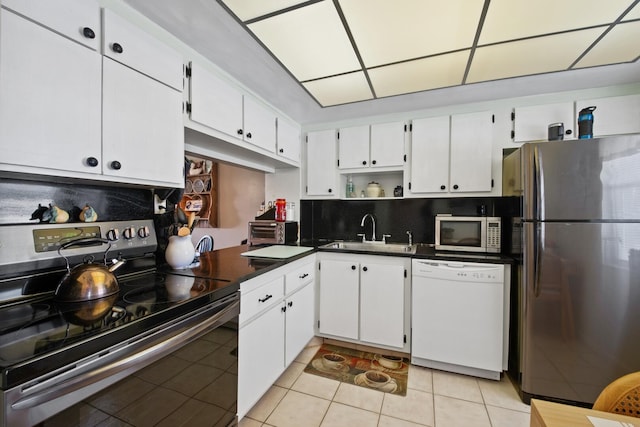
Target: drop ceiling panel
pixel 246 10
pixel 423 74
pixel 310 41
pixel 342 89
pixel 621 44
pixel 513 19
pixel 390 31
pixel 530 56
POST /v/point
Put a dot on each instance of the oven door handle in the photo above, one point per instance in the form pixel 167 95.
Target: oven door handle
pixel 150 354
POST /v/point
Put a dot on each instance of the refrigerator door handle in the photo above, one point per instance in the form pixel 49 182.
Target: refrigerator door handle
pixel 536 258
pixel 537 184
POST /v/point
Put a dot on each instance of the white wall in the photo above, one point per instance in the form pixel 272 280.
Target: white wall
pixel 240 193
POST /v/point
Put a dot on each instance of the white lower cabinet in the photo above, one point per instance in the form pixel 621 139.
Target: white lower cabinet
pixel 364 298
pixel 276 323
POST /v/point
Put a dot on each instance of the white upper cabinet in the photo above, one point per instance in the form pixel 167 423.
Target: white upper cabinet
pixel 375 146
pixel 143 136
pixel 50 99
pixel 430 155
pixel 353 147
pixel 471 140
pixel 614 115
pixel 288 138
pixel 451 154
pixel 321 163
pixel 387 144
pixel 215 103
pixel 259 125
pixel 129 45
pixel 532 123
pixel 77 19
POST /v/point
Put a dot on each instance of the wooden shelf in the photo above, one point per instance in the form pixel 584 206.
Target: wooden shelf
pixel 203 187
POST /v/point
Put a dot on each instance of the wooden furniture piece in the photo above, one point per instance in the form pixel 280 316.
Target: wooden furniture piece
pixel 201 191
pixel 550 414
pixel 622 396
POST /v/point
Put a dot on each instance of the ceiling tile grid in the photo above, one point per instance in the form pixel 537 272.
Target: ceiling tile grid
pixel 344 51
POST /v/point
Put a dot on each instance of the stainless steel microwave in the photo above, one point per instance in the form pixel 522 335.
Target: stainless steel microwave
pixel 468 233
pixel 269 232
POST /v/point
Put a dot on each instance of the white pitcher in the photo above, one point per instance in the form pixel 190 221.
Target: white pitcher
pixel 180 252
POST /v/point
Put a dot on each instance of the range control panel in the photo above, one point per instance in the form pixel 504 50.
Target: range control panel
pixel 39 242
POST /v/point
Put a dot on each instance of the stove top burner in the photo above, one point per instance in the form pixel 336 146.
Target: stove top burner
pixel 32 330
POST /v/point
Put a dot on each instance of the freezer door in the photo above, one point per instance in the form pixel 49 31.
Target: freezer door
pixel 581 323
pixel 594 179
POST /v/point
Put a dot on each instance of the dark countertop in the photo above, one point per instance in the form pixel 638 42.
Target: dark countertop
pixel 228 265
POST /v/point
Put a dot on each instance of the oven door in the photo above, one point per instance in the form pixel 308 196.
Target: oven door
pixel 191 367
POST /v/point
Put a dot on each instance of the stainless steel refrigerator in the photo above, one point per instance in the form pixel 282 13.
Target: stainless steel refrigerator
pixel 579 292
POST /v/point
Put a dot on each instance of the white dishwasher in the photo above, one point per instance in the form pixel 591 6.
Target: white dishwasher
pixel 458 317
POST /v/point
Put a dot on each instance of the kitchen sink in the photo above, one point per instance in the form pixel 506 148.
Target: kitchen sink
pixel 373 247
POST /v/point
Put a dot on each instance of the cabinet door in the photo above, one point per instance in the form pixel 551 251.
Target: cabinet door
pixel 471 141
pixel 259 125
pixel 353 151
pixel 339 290
pixel 615 115
pixel 299 322
pixel 532 123
pixel 214 103
pixel 77 19
pixel 387 144
pixel 49 98
pixel 129 45
pixel 430 155
pixel 288 140
pixel 142 127
pixel 321 161
pixel 260 356
pixel 382 304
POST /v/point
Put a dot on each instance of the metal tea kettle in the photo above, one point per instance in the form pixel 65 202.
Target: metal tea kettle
pixel 89 280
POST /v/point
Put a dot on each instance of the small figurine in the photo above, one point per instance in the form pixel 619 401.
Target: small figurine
pixel 37 214
pixel 55 215
pixel 88 214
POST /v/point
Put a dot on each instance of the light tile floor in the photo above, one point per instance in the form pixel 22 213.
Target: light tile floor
pixel 434 398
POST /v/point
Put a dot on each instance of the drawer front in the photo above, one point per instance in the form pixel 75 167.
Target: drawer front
pixel 261 298
pixel 300 276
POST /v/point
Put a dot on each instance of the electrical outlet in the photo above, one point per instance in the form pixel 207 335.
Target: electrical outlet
pixel 159 206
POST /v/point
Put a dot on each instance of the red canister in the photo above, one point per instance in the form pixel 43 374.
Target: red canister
pixel 281 210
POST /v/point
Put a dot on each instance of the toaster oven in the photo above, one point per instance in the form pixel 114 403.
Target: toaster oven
pixel 269 232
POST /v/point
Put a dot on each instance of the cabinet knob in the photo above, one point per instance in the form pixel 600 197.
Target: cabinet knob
pixel 330 190
pixel 373 162
pixel 365 269
pixel 92 161
pixel 283 309
pixel 117 48
pixel 364 162
pixel 455 186
pixel 240 132
pixel 290 303
pixel 249 135
pixel 116 165
pixel 281 150
pixel 442 187
pixel 568 132
pixel 353 267
pixel 88 33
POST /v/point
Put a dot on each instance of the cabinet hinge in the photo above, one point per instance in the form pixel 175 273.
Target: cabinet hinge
pixel 492 183
pixel 338 135
pixel 405 339
pixel 405 272
pixel 493 118
pixel 187 106
pixel 306 138
pixel 306 189
pixel 187 71
pixel 405 158
pixel 318 324
pixel 513 115
pixel 409 186
pixel 513 134
pixel 405 127
pixel 318 266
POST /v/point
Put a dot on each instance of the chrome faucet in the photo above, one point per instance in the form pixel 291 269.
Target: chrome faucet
pixel 410 237
pixel 373 222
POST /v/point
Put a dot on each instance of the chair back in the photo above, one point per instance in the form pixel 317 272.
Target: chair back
pixel 622 396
